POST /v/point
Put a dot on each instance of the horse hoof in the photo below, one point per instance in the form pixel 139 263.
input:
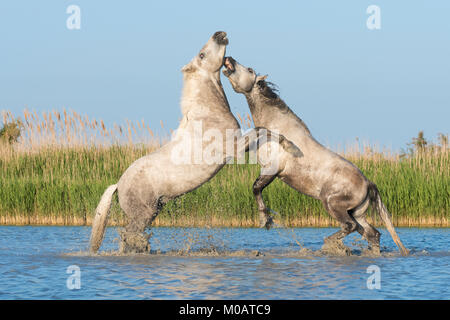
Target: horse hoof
pixel 266 223
pixel 269 225
pixel 132 242
pixel 335 247
pixel 375 251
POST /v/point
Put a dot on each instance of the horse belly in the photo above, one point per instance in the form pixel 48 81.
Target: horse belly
pixel 180 179
pixel 302 184
pixel 301 177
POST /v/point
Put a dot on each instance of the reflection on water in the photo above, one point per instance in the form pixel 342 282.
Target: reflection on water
pixel 219 264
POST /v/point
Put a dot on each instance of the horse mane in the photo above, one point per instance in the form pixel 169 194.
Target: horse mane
pixel 270 91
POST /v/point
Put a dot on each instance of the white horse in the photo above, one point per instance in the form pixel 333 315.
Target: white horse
pixel 172 170
pixel 320 173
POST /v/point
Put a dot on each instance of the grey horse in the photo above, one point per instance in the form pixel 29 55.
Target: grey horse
pixel 167 173
pixel 320 173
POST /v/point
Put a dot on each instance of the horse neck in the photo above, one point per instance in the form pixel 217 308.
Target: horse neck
pixel 274 113
pixel 251 105
pixel 194 93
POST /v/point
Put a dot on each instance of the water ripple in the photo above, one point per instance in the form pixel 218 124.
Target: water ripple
pixel 219 264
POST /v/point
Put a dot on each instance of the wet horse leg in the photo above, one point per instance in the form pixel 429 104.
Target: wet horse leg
pixel 336 205
pixel 134 239
pixel 371 234
pixel 262 135
pixel 368 232
pixel 265 219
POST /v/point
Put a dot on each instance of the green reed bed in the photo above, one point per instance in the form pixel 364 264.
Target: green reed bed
pixel 55 166
pixel 64 185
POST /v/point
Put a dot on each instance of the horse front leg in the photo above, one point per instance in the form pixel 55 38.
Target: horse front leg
pixel 265 218
pixel 259 136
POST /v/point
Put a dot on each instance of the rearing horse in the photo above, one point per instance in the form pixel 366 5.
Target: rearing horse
pixel 154 179
pixel 320 173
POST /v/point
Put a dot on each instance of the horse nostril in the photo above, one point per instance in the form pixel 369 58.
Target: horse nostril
pixel 220 36
pixel 220 33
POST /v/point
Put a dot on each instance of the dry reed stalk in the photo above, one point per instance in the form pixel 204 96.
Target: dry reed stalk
pixel 212 221
pixel 240 119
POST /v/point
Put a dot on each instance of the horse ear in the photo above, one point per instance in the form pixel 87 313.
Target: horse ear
pixel 259 78
pixel 189 68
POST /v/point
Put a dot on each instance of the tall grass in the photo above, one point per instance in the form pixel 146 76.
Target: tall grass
pixel 63 162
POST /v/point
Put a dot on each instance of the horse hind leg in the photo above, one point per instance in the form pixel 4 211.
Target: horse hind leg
pixel 336 207
pixel 265 218
pixel 369 233
pixel 134 239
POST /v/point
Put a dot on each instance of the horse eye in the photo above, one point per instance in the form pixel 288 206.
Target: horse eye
pixel 201 55
pixel 250 70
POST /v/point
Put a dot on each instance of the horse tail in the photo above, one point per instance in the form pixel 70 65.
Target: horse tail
pixel 385 216
pixel 101 218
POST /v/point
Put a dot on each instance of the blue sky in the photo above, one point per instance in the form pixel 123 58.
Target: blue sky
pixel 343 80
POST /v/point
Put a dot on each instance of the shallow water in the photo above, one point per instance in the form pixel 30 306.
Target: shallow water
pixel 219 264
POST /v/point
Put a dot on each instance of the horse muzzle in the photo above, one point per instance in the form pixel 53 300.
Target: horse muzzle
pixel 230 66
pixel 220 37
